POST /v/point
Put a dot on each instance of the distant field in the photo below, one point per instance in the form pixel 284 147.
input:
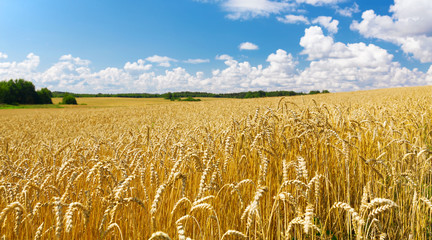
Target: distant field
pixel 333 166
pixel 115 102
pixel 122 102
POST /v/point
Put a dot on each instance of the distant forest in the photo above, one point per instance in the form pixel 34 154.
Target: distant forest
pixel 176 95
pixel 19 91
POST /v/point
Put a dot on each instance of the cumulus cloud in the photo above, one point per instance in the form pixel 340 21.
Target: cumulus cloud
pixel 30 63
pixel 162 60
pixel 3 55
pixel 197 61
pixel 68 73
pixel 244 9
pixel 248 46
pixel 224 57
pixel 247 9
pixel 76 60
pixel 137 66
pixel 175 79
pixel 333 65
pixel 320 2
pixel 348 11
pixel 241 76
pixel 12 70
pixel 409 26
pixel 337 67
pixel 349 66
pixel 327 22
pixel 290 19
pixel 282 67
pixel 330 24
pixel 313 35
pixel 364 55
pixel 227 58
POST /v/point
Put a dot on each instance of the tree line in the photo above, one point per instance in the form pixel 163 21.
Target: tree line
pixel 20 91
pixel 187 94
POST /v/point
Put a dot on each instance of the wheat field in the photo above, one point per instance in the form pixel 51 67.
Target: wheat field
pixel 333 166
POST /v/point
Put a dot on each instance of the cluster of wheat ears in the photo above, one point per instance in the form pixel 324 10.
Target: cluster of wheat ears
pixel 289 171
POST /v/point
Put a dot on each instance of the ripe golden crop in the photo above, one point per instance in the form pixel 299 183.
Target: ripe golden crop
pixel 345 166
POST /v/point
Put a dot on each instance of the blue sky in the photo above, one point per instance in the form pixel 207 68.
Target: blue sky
pixel 216 45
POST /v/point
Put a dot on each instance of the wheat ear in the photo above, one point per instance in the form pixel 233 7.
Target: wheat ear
pixel 38 234
pixel 236 234
pixel 159 235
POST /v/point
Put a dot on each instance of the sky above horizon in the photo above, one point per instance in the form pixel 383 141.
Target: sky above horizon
pixel 216 45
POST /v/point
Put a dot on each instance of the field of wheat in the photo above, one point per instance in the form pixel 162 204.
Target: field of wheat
pixel 332 166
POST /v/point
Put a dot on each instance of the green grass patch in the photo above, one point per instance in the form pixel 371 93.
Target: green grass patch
pixel 190 99
pixel 29 106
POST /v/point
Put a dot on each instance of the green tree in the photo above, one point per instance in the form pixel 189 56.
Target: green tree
pixel 44 96
pixel 173 97
pixel 12 92
pixel 314 92
pixel 248 95
pixel 18 92
pixel 26 92
pixel 4 91
pixel 69 99
pixel 167 95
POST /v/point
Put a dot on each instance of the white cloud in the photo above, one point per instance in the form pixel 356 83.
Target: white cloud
pixel 197 61
pixel 163 61
pixel 313 35
pixel 30 64
pixel 137 66
pixel 333 65
pixel 244 9
pixel 356 66
pixel 320 2
pixel 66 74
pixel 248 46
pixel 227 58
pixel 224 57
pixel 348 11
pixel 289 19
pixel 174 79
pixel 247 9
pixel 76 60
pixel 3 55
pixel 282 65
pixel 15 70
pixel 241 76
pixel 330 24
pixel 318 46
pixel 339 67
pixel 410 27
